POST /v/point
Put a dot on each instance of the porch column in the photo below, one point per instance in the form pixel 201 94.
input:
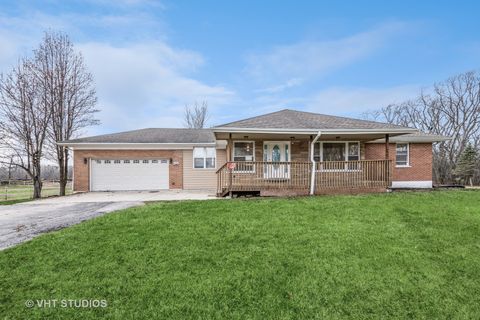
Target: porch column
pixel 229 148
pixel 387 147
pixel 387 157
pixel 312 160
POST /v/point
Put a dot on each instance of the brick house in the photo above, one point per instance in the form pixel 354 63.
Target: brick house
pixel 281 153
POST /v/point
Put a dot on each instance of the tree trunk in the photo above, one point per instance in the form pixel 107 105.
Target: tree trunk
pixel 61 175
pixel 63 169
pixel 37 188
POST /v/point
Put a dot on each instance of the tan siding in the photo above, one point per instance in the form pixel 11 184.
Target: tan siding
pixel 200 178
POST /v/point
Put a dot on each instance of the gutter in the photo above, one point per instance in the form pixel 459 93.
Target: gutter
pixel 312 176
pixel 139 146
pixel 312 131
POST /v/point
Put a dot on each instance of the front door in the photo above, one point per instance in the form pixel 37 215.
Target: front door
pixel 278 153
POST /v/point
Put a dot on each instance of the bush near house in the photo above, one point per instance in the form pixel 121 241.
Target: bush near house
pixel 400 255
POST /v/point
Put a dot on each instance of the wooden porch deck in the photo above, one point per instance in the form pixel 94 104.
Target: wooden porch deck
pixel 294 178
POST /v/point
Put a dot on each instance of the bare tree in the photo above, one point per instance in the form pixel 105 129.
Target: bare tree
pixel 451 108
pixel 196 117
pixel 68 91
pixel 24 120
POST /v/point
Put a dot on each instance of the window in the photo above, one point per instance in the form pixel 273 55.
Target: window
pixel 98 161
pixel 336 151
pixel 126 161
pixel 116 161
pixel 317 157
pixel 353 151
pixel 243 151
pixel 145 161
pixel 402 156
pixel 107 161
pixel 204 158
pixel 154 161
pixel 333 151
pixel 136 161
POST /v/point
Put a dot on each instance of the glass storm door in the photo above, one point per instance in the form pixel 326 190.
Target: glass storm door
pixel 278 153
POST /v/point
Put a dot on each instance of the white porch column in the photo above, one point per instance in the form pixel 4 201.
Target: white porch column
pixel 312 159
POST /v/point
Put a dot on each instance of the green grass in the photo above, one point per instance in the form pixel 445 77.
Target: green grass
pixel 13 201
pixel 400 255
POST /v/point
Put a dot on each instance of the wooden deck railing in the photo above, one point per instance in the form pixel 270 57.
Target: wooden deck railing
pixel 361 174
pixel 331 175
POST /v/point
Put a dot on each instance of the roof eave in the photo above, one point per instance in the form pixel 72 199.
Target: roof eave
pixel 407 139
pixel 137 146
pixel 315 131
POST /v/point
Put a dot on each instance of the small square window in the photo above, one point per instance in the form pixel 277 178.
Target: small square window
pixel 126 161
pixel 164 161
pixel 198 163
pixel 98 161
pixel 154 161
pixel 107 161
pixel 145 161
pixel 116 161
pixel 136 161
pixel 210 162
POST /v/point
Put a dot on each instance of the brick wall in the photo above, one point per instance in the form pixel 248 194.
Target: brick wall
pixel 81 170
pixel 420 168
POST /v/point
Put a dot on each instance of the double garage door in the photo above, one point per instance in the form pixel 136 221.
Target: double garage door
pixel 129 174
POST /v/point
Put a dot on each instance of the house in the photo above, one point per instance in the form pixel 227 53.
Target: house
pixel 287 152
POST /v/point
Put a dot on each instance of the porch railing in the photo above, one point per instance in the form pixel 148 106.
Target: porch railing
pixel 295 176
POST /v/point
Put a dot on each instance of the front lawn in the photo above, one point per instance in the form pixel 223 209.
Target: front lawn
pixel 400 255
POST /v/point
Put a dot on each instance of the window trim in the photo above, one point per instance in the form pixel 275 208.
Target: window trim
pixel 204 159
pixel 407 165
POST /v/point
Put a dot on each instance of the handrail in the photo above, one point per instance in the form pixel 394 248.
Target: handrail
pixel 222 167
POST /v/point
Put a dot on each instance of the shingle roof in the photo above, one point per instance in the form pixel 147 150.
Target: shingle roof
pixel 292 119
pixel 152 135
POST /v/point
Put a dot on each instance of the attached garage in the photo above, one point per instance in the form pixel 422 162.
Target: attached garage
pixel 129 174
pixel 145 159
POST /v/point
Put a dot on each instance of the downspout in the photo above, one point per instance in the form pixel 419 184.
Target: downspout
pixel 312 176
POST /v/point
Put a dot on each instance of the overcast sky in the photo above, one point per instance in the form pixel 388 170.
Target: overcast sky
pixel 150 58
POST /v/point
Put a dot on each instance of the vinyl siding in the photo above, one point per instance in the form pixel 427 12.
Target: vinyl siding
pixel 198 179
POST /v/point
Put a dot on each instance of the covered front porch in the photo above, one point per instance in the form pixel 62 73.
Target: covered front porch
pixel 300 163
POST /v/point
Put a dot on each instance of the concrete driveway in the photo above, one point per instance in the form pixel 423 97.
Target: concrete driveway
pixel 24 221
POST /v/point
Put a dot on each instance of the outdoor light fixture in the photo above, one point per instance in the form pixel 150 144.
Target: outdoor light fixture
pixel 85 160
pixel 245 137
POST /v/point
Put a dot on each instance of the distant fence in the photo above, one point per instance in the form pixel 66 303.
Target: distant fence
pixel 23 190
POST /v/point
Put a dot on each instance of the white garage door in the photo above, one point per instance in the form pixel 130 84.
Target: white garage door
pixel 131 174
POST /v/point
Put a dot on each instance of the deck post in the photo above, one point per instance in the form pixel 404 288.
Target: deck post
pixel 230 181
pixel 229 148
pixel 387 156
